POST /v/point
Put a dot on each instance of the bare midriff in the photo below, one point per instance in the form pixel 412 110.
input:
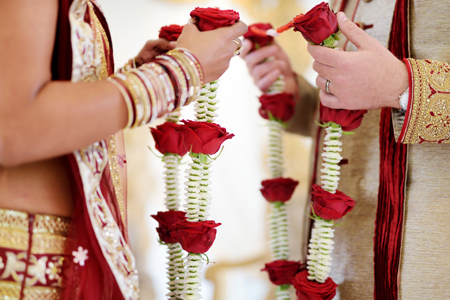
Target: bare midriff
pixel 40 188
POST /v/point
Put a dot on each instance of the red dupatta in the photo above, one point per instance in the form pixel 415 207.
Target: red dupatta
pixel 391 192
pixel 94 280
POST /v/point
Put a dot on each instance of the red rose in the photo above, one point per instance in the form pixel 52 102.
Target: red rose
pixel 195 237
pixel 168 138
pixel 166 222
pixel 257 35
pixel 171 32
pixel 203 137
pixel 282 271
pixel 348 119
pixel 330 206
pixel 278 189
pixel 317 24
pixel 281 106
pixel 211 18
pixel 312 290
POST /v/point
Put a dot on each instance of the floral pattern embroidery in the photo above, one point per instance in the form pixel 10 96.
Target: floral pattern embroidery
pixel 80 256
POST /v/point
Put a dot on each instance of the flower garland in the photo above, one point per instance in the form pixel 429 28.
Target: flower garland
pixel 277 107
pixel 201 138
pixel 319 26
pixel 168 141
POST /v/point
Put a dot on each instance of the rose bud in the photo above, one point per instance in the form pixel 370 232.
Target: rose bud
pixel 166 221
pixel 211 18
pixel 168 138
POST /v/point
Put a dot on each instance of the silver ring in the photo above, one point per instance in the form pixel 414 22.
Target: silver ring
pixel 327 86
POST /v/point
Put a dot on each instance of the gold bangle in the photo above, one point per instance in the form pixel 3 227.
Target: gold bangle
pixel 126 97
pixel 146 91
pixel 180 76
pixel 136 100
pixel 188 68
pixel 165 85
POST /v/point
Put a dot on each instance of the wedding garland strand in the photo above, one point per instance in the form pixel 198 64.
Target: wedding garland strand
pixel 171 171
pixel 278 218
pixel 198 191
pixel 175 262
pixel 194 176
pixel 175 269
pixel 204 190
pixel 279 232
pixel 173 116
pixel 206 104
pixel 277 86
pixel 192 283
pixel 321 243
pixel 276 161
pixel 283 294
pixel 331 157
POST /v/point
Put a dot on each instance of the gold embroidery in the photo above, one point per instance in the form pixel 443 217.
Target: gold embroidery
pixel 429 114
pixel 11 291
pixel 13 219
pixel 49 232
pixel 42 293
pixel 114 168
pixel 48 244
pixel 92 160
pixel 101 41
pixel 13 238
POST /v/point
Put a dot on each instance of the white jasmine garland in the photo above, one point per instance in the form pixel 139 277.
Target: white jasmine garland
pixel 276 160
pixel 198 189
pixel 321 243
pixel 206 103
pixel 278 222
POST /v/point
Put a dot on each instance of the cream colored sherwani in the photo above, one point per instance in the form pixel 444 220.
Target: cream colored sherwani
pixel 424 271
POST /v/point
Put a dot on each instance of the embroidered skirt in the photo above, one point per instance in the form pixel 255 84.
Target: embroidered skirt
pixel 32 251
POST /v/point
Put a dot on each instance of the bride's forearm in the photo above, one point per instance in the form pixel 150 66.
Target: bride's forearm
pixel 63 117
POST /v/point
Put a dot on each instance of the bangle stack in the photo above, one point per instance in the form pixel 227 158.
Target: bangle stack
pixel 131 64
pixel 170 81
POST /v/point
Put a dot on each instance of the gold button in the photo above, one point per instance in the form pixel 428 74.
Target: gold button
pixel 367 0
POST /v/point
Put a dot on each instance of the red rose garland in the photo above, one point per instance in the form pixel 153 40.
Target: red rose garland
pixel 311 290
pixel 166 221
pixel 278 189
pixel 171 32
pixel 169 142
pixel 330 206
pixel 277 107
pixel 211 18
pixel 202 138
pixel 281 272
pixel 319 26
pixel 257 34
pixel 195 237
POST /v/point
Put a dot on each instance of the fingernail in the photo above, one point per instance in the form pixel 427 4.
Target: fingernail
pixel 342 17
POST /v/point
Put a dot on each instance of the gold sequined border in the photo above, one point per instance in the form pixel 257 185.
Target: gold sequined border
pixel 428 118
pixel 49 232
pixel 102 41
pixel 11 291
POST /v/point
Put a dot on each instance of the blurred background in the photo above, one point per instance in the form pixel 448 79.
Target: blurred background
pixel 241 246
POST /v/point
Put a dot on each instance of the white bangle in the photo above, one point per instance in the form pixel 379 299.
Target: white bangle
pixel 403 99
